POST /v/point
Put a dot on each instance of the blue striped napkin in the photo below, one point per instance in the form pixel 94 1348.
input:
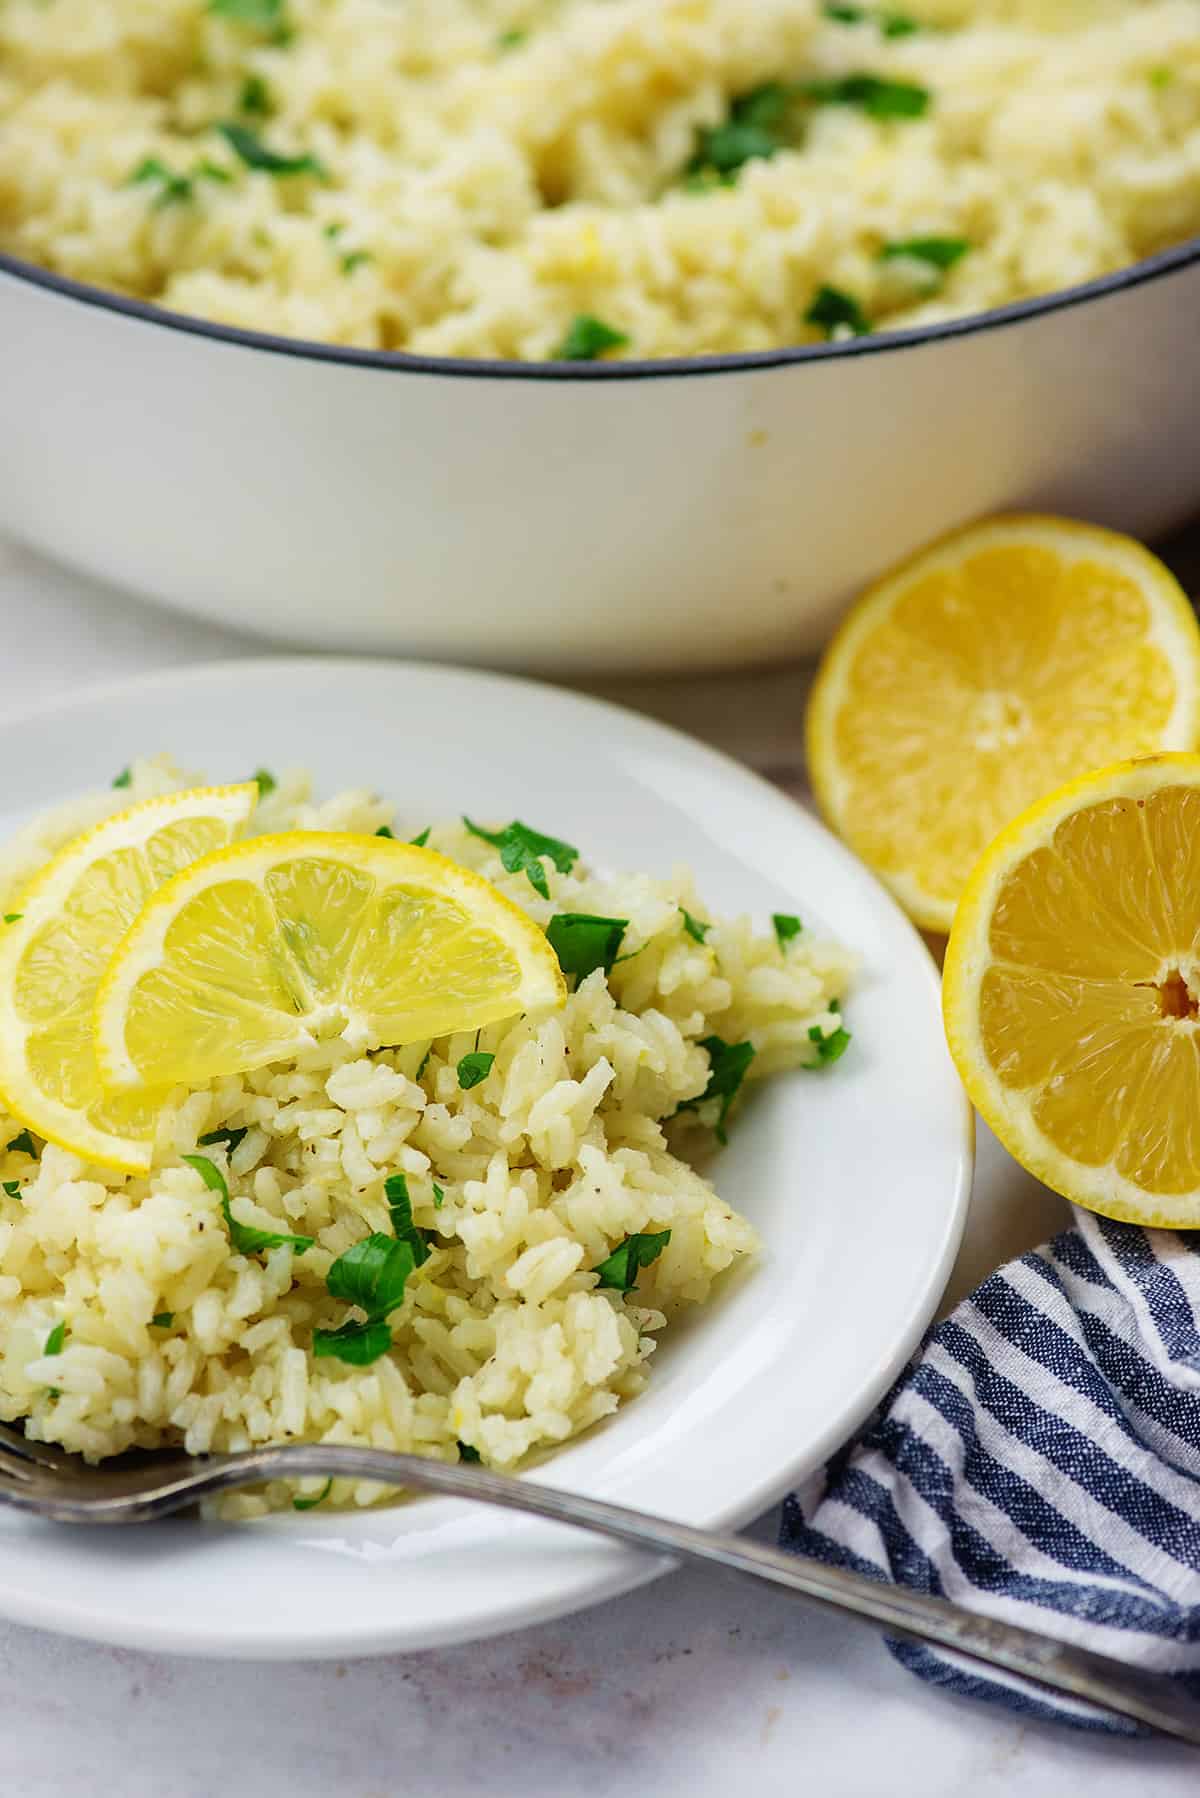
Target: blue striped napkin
pixel 1039 1461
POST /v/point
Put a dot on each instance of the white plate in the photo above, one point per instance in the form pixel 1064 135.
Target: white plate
pixel 857 1179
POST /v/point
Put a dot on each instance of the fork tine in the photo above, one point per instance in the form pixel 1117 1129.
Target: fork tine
pixel 16 1446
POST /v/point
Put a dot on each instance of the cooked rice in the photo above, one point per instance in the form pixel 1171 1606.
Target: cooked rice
pixel 493 169
pixel 504 1341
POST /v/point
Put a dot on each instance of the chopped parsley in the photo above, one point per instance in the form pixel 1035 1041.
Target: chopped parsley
pixel 400 1210
pixel 523 848
pixel 422 837
pixel 255 97
pixel 173 189
pixel 439 1197
pixel 266 14
pixel 830 1048
pixel 473 1068
pixel 584 942
pixel 265 781
pixel 22 1143
pixel 787 925
pixel 620 1269
pixel 13 917
pixel 753 129
pixel 124 778
pixel 728 1066
pixel 385 830
pixel 373 1275
pixel 257 155
pixel 879 97
pixel 244 1238
pixel 890 24
pixel 937 254
pixel 162 1320
pixel 510 40
pixel 318 1498
pixel 1160 77
pixel 12 1188
pixel 354 259
pixel 695 929
pixel 832 311
pixel 588 338
pixel 228 1139
pixel 55 1340
pixel 467 1453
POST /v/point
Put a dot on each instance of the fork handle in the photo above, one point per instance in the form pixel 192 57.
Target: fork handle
pixel 915 1616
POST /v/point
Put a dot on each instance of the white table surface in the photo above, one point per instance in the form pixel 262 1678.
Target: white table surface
pixel 693 1685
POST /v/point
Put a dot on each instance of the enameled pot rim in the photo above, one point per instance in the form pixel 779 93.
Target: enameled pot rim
pixel 883 343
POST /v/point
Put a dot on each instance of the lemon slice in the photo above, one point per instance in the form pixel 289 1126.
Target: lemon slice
pixel 992 667
pixel 256 952
pixel 1072 990
pixel 65 925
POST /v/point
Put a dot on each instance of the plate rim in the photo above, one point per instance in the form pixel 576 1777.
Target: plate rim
pixel 623 1570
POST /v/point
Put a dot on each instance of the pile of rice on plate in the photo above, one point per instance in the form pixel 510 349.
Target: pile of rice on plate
pixel 506 1343
pixel 529 179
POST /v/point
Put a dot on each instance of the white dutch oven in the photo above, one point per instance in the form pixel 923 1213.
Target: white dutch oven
pixel 663 515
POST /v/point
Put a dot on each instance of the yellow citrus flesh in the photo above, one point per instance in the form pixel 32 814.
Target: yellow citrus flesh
pixel 256 952
pixel 992 667
pixel 1072 990
pixel 68 921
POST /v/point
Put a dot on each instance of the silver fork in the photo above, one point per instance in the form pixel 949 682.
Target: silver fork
pixel 51 1483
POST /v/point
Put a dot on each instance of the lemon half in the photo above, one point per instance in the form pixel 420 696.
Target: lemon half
pixel 253 954
pixel 993 666
pixel 65 925
pixel 1072 990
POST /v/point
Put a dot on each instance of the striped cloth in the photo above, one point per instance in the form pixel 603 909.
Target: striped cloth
pixel 1040 1461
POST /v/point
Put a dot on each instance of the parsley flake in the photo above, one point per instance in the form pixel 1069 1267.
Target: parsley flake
pixel 890 24
pixel 385 830
pixel 400 1210
pixel 13 917
pixel 265 781
pixel 245 1239
pixel 421 838
pixel 55 1340
pixel 830 1048
pixel 257 15
pixel 467 1453
pixel 23 1143
pixel 373 1275
pixel 878 97
pixel 318 1498
pixel 173 189
pixel 523 848
pixel 588 338
pixel 162 1320
pixel 620 1269
pixel 787 925
pixel 753 130
pixel 257 155
pixel 229 1139
pixel 354 259
pixel 511 40
pixel 124 778
pixel 695 929
pixel 255 97
pixel 584 942
pixel 12 1188
pixel 473 1068
pixel 832 311
pixel 938 253
pixel 439 1197
pixel 728 1066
